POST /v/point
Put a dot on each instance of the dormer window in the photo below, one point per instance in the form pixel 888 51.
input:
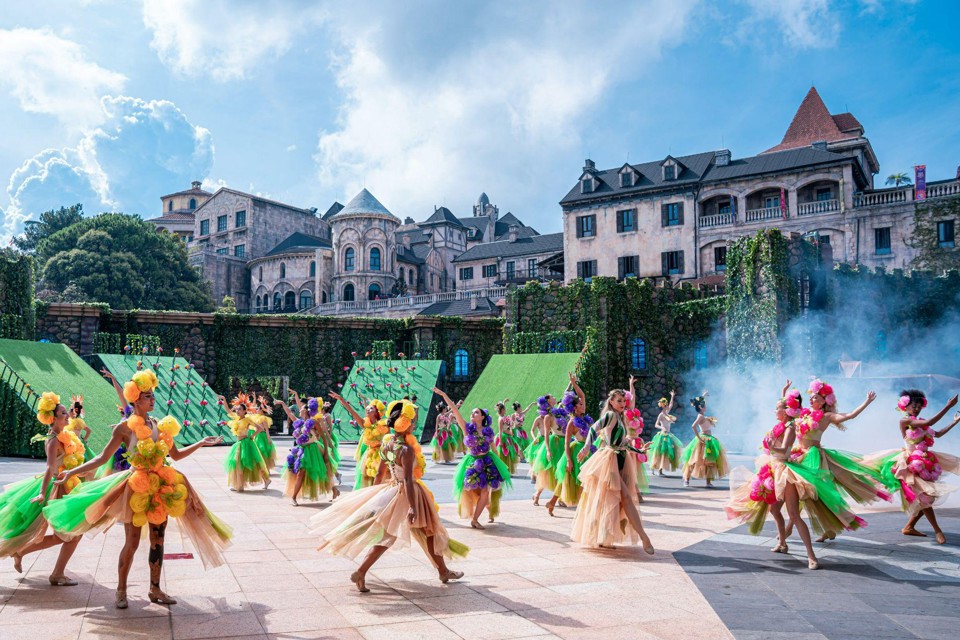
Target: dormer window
pixel 669 172
pixel 586 184
pixel 626 179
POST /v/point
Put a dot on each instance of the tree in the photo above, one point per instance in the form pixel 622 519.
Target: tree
pixel 48 224
pixel 399 288
pixel 897 179
pixel 229 305
pixel 122 261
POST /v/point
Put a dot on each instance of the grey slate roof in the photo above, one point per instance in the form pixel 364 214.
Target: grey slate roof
pixel 502 227
pixel 547 243
pixel 334 209
pixel 298 243
pixel 700 167
pixel 364 202
pixel 409 255
pixel 443 215
pixel 485 307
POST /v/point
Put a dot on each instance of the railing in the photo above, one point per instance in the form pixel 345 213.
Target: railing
pixel 943 190
pixel 818 207
pixel 891 196
pixel 716 220
pixel 523 275
pixel 18 385
pixel 767 213
pixel 412 302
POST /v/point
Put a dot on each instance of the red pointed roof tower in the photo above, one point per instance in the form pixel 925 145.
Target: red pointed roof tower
pixel 813 123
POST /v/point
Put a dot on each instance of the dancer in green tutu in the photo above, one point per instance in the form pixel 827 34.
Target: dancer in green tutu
pixel 506 443
pixel 704 457
pixel 543 456
pixel 519 417
pixel 665 448
pixel 309 467
pixel 566 471
pixel 444 442
pixel 23 528
pixel 260 414
pixel 244 463
pixel 481 476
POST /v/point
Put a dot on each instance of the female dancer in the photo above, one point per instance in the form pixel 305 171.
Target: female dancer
pixel 371 469
pixel 443 443
pixel 244 463
pixel 327 419
pixel 23 529
pixel 915 469
pixel 481 472
pixel 147 494
pixel 548 452
pixel 375 518
pixel 505 444
pixel 567 468
pixel 261 417
pixel 76 423
pixel 308 465
pixel 119 461
pixel 665 448
pixel 857 480
pixel 607 512
pixel 519 433
pixel 704 457
pixel 634 421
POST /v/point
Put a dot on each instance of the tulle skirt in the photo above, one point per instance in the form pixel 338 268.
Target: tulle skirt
pixel 600 520
pixel 567 483
pixel 473 476
pixel 377 516
pixel 317 479
pixel 363 478
pixel 858 480
pixel 705 458
pixel 665 452
pixel 508 448
pixel 21 521
pixel 444 445
pixel 268 450
pixel 96 506
pixel 542 468
pixel 244 464
pixel 916 493
pixel 523 440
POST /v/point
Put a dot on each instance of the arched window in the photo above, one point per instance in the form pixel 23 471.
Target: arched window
pixel 348 259
pixel 260 274
pixel 461 364
pixel 323 295
pixel 258 304
pixel 169 205
pixel 283 271
pixel 410 276
pixel 348 293
pixel 277 301
pixel 880 343
pixel 555 346
pixel 402 278
pixel 638 354
pixel 193 203
pixel 373 292
pixel 375 259
pixel 289 301
pixel 700 355
pixel 306 300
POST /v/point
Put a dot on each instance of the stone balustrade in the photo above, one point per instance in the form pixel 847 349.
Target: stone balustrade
pixel 818 207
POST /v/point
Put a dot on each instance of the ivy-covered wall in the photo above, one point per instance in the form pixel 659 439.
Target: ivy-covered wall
pixel 16 295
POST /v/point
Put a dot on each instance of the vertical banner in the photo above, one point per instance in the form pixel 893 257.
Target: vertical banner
pixel 733 207
pixel 920 175
pixel 783 203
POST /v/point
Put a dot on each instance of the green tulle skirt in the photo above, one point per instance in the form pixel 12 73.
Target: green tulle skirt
pixel 568 482
pixel 335 442
pixel 467 490
pixel 68 514
pixel 530 451
pixel 830 510
pixel 317 478
pixel 268 450
pixel 244 464
pixel 665 451
pixel 540 463
pixel 17 513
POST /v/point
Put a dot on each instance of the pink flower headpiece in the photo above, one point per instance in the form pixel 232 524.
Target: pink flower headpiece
pixel 824 390
pixel 634 419
pixel 904 402
pixel 793 402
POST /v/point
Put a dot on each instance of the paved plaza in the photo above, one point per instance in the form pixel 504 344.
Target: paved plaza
pixel 524 578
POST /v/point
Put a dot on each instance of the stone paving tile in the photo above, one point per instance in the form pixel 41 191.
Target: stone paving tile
pixel 417 630
pixel 216 625
pixel 494 626
pixel 313 617
pixel 928 627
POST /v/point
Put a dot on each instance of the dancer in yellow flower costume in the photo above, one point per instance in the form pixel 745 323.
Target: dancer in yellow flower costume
pixel 244 463
pixel 375 518
pixel 23 527
pixel 77 424
pixel 370 467
pixel 147 494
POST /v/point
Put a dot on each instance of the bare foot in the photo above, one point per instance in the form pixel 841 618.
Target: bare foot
pixel 360 580
pixel 913 532
pixel 476 525
pixel 451 575
pixel 941 539
pixel 18 562
pixel 336 493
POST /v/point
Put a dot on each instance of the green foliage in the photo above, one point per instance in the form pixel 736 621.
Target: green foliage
pixel 48 223
pixel 17 317
pixel 930 255
pixel 897 179
pixel 115 343
pixel 521 378
pixel 270 385
pixel 18 423
pixel 122 261
pixel 547 342
pixel 381 349
pixel 229 305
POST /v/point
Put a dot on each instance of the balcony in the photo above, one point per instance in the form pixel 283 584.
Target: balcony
pixel 766 213
pixel 887 196
pixel 715 220
pixel 407 305
pixel 943 189
pixel 818 207
pixel 520 276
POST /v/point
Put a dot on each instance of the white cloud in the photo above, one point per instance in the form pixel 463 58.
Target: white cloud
pixel 142 150
pixel 804 24
pixel 291 147
pixel 50 75
pixel 224 40
pixel 479 97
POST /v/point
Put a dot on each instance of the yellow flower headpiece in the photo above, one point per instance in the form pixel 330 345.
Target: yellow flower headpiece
pixel 141 382
pixel 47 407
pixel 407 414
pixel 381 409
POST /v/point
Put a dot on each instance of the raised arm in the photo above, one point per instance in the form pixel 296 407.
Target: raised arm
pixel 180 454
pixel 286 410
pixel 579 391
pixel 786 387
pixel 838 418
pixel 453 409
pixel 116 385
pixel 929 422
pixel 633 394
pixel 673 396
pixel 943 432
pixel 346 405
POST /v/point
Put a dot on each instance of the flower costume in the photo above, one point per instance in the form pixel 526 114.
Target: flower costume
pixel 519 433
pixel 268 450
pixel 444 443
pixel 368 455
pixel 568 485
pixel 22 522
pixel 750 500
pixel 307 456
pixel 506 445
pixel 244 463
pixel 665 449
pixel 705 457
pixel 548 452
pixel 377 515
pixel 479 469
pixel 77 425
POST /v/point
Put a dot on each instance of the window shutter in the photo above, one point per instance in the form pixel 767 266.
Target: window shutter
pixel 663 260
pixel 680 260
pixel 663 216
pixel 579 269
pixel 620 268
pixel 593 268
pixel 680 212
pixel 619 222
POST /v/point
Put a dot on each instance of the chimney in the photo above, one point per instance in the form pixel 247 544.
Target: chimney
pixel 721 158
pixel 313 211
pixel 820 144
pixel 588 165
pixel 512 232
pixel 195 185
pixel 408 220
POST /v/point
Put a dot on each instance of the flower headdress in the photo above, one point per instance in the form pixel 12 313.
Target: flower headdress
pixel 241 400
pixel 662 403
pixel 794 403
pixel 699 401
pixel 905 401
pixel 404 423
pixel 379 406
pixel 265 407
pixel 569 402
pixel 47 407
pixel 543 405
pixel 142 382
pixel 823 390
pixel 403 428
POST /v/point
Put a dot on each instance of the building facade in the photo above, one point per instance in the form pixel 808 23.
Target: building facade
pixel 178 211
pixel 674 217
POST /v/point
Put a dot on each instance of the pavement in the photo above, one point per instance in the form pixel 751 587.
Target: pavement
pixel 523 578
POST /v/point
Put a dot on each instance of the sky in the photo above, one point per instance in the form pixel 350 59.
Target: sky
pixel 113 104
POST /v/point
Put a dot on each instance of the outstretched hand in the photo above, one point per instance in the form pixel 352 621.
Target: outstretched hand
pixel 106 374
pixel 952 402
pixel 211 440
pixel 872 395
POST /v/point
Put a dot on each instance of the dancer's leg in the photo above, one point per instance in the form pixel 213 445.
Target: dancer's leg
pixel 359 576
pixel 301 476
pixel 633 516
pixel 157 534
pixel 932 518
pixel 776 512
pixel 478 510
pixel 127 553
pixel 792 501
pixel 66 551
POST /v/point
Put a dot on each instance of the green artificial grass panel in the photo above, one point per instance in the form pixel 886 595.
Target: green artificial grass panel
pixel 372 377
pixel 55 367
pixel 521 378
pixel 204 420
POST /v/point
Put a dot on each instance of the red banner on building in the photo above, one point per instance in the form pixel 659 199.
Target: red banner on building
pixel 920 175
pixel 783 203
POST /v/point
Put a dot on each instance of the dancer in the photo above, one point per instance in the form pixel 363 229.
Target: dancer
pixel 548 452
pixel 244 463
pixel 481 476
pixel 23 528
pixel 665 448
pixel 371 469
pixel 915 470
pixel 505 444
pixel 147 494
pixel 119 461
pixel 376 518
pixel 444 443
pixel 607 512
pixel 567 468
pixel 77 424
pixel 261 417
pixel 704 457
pixel 328 425
pixel 308 467
pixel 521 435
pixel 634 421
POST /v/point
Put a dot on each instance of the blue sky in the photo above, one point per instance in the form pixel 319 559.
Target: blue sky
pixel 114 104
